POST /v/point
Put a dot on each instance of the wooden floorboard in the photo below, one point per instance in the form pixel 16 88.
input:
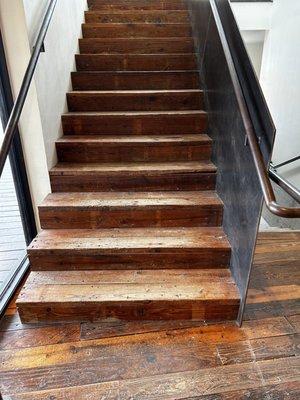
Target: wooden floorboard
pixel 168 359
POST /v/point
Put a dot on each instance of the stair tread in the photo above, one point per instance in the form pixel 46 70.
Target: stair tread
pixel 153 11
pixel 133 24
pixel 129 73
pixel 133 113
pixel 131 199
pixel 174 39
pixel 131 92
pixel 136 55
pixel 129 286
pixel 131 239
pixel 130 139
pixel 138 167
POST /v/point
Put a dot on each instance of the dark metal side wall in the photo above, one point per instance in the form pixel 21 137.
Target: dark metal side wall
pixel 237 182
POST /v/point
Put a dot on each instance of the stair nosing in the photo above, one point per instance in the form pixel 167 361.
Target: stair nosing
pixel 133 199
pixel 136 139
pixel 133 113
pixel 129 92
pixel 61 168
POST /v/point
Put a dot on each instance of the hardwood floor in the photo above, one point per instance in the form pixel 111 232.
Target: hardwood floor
pixel 168 359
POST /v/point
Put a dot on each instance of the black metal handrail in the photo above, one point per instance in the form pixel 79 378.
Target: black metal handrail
pixel 16 112
pixel 262 171
pixel 287 186
pixel 291 160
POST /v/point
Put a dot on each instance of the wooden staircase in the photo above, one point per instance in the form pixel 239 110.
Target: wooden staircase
pixel 132 229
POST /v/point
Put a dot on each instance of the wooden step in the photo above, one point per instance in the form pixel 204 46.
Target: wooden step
pixel 134 16
pixel 131 295
pixel 130 210
pixel 150 148
pixel 136 62
pixel 136 45
pixel 152 80
pixel 135 100
pixel 134 123
pixel 142 30
pixel 92 177
pixel 134 248
pixel 137 5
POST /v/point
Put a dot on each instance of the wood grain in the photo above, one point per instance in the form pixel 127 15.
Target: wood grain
pixel 184 61
pixel 126 248
pixel 128 210
pixel 96 177
pixel 122 80
pixel 135 100
pixel 145 30
pixel 138 5
pixel 133 16
pixel 172 359
pixel 129 148
pixel 135 123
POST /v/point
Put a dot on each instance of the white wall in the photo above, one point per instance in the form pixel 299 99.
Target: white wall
pixel 52 76
pixel 40 122
pixel 253 16
pixel 280 80
pixel 254 41
pixel 17 49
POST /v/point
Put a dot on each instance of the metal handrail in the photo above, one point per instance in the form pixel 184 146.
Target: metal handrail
pixel 262 171
pixel 16 112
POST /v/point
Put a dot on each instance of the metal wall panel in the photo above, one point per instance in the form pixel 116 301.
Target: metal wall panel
pixel 237 181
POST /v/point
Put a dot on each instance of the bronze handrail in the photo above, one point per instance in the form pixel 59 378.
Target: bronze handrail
pixel 262 171
pixel 16 112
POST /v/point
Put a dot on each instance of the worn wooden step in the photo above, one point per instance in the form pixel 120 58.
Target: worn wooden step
pixel 130 210
pixel 92 177
pixel 136 45
pixel 136 62
pixel 137 5
pixel 134 16
pixel 134 123
pixel 135 100
pixel 131 295
pixel 150 148
pixel 134 248
pixel 151 80
pixel 141 30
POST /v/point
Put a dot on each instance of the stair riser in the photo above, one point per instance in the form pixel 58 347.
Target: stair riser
pixel 135 101
pixel 138 6
pixel 136 45
pixel 136 62
pixel 95 260
pixel 130 81
pixel 118 182
pixel 154 16
pixel 154 310
pixel 135 30
pixel 129 217
pixel 126 124
pixel 70 152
